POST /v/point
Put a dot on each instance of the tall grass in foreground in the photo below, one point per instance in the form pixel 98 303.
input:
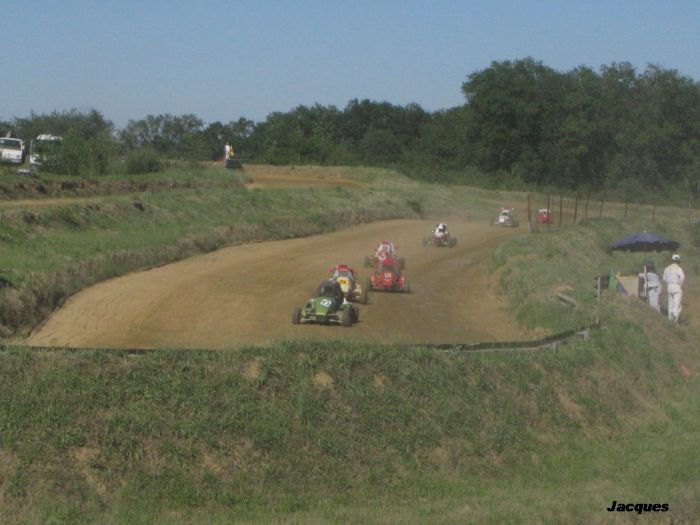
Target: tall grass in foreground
pixel 335 432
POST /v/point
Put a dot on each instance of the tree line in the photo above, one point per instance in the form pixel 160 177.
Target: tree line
pixel 522 123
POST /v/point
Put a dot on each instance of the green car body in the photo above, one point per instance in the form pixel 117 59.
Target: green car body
pixel 327 307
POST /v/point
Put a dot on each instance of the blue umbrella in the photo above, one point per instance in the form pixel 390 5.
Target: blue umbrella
pixel 645 242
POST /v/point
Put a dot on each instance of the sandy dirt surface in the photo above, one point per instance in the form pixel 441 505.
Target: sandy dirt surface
pixel 246 295
pixel 263 176
pixel 45 202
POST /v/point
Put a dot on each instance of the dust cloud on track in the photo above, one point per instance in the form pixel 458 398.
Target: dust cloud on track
pixel 246 294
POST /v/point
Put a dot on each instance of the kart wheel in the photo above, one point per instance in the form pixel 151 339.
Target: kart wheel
pixel 368 284
pixel 346 318
pixel 402 263
pixel 355 314
pixel 296 316
pixel 363 295
pixel 406 287
pixel 368 262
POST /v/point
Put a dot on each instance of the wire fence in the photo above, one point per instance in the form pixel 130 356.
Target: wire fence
pixel 548 210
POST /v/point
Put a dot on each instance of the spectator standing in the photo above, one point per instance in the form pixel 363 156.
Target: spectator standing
pixel 652 285
pixel 674 278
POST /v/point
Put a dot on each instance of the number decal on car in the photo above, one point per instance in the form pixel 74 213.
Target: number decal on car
pixel 387 275
pixel 326 302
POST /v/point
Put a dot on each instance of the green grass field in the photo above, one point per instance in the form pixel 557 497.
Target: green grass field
pixel 348 433
pixel 342 433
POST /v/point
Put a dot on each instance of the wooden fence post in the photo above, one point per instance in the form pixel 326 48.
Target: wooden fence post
pixel 600 212
pixel 588 194
pixel 575 208
pixel 561 201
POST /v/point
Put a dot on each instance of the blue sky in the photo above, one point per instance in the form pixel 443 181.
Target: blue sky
pixel 223 60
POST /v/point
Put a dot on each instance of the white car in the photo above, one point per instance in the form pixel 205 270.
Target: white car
pixel 43 149
pixel 11 150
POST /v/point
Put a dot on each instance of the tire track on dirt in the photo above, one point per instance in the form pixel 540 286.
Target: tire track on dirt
pixel 245 295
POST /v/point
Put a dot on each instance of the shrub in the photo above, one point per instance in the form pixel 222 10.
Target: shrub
pixel 143 160
pixel 79 156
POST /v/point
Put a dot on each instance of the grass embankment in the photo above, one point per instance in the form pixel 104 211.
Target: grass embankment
pixel 341 433
pixel 48 253
pixel 327 432
pixel 47 185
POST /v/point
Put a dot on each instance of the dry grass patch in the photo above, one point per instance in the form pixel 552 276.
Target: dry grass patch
pixel 379 381
pixel 85 457
pixel 252 370
pixel 323 380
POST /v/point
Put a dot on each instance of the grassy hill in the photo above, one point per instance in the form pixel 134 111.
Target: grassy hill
pixel 346 433
pixel 342 433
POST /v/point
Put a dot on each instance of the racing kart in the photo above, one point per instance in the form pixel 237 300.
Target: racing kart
pixel 505 218
pixel 386 252
pixel 327 307
pixel 544 215
pixel 440 239
pixel 346 277
pixel 388 277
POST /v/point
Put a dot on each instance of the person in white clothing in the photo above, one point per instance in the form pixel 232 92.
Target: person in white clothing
pixel 652 285
pixel 440 230
pixel 674 277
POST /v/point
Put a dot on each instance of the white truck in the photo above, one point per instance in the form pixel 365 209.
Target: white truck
pixel 11 150
pixel 43 148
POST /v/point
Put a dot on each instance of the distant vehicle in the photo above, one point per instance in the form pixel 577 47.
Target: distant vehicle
pixel 440 239
pixel 544 215
pixel 346 276
pixel 12 150
pixel 385 249
pixel 42 149
pixel 505 218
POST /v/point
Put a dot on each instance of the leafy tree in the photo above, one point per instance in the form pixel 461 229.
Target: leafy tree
pixel 87 126
pixel 171 135
pixel 380 147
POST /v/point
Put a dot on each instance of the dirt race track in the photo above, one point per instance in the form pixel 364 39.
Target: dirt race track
pixel 246 295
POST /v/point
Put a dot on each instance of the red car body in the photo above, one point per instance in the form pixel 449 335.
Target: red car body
pixel 387 277
pixel 543 216
pixel 384 252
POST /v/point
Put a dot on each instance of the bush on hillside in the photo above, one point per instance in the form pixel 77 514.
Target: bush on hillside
pixel 80 156
pixel 144 160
